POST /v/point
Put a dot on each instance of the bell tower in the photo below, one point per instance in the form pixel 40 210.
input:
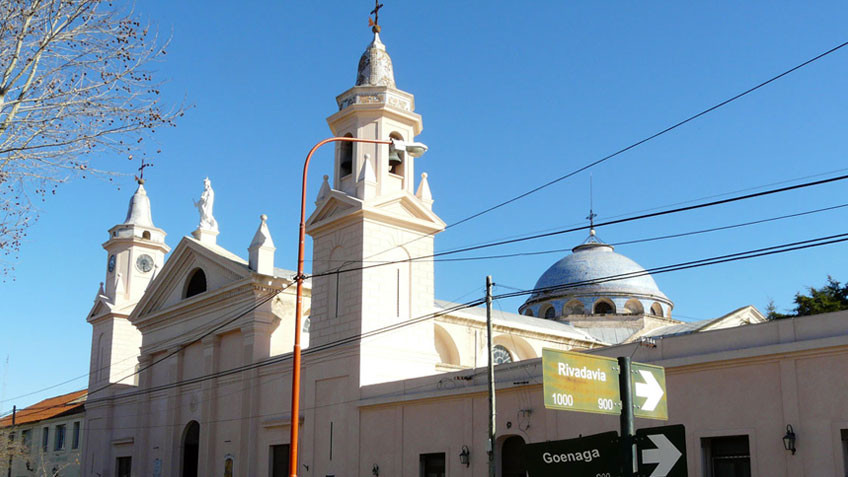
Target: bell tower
pixel 135 252
pixel 369 222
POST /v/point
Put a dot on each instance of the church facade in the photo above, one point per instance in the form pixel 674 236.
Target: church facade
pixel 191 364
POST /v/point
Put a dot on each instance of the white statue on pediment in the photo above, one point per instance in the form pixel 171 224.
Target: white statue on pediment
pixel 204 206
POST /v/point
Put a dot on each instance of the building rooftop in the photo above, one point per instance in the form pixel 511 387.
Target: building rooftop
pixel 49 408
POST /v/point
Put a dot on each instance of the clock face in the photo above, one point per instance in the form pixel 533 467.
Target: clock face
pixel 144 263
pixel 111 266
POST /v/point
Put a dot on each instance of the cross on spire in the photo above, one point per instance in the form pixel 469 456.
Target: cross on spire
pixel 375 23
pixel 140 177
pixel 592 214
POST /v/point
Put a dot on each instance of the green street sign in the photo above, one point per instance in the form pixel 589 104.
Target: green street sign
pixel 595 455
pixel 649 396
pixel 580 382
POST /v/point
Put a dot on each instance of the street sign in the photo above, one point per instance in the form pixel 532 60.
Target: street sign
pixel 649 391
pixel 662 451
pixel 580 382
pixel 595 455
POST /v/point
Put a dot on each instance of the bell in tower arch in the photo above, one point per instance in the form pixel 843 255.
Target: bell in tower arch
pixel 394 160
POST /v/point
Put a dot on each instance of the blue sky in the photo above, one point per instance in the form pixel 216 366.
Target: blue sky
pixel 512 95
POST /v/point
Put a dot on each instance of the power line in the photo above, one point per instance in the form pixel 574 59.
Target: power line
pixel 755 253
pixel 180 347
pixel 761 252
pixel 602 224
pixel 648 239
pixel 653 136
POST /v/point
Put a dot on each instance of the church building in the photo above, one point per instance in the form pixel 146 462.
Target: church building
pixel 191 348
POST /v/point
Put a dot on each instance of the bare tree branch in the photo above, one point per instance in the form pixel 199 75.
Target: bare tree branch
pixel 74 79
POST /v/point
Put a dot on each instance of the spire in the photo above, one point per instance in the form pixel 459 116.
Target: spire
pixel 324 191
pixel 375 65
pixel 262 249
pixel 592 213
pixel 424 193
pixel 138 212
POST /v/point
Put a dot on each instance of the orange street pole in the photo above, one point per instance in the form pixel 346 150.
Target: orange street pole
pixel 295 395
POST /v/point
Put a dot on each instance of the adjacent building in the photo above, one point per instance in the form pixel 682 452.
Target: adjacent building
pixel 46 437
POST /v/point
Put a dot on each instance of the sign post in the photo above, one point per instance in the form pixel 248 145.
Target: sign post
pixel 589 383
pixel 627 446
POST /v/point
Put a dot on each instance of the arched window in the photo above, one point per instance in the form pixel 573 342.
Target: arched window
pixel 550 313
pixel 501 355
pixel 604 307
pixel 228 466
pixel 196 283
pixel 145 235
pixel 345 157
pixel 656 309
pixel 634 307
pixel 574 307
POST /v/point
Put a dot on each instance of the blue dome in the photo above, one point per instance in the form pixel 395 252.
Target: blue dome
pixel 590 268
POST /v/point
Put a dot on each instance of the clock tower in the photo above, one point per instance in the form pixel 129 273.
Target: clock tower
pixel 135 252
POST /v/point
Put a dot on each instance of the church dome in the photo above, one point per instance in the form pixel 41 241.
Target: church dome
pixel 375 66
pixel 594 279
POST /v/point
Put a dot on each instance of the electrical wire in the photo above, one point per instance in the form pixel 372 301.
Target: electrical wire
pixel 601 224
pixel 745 255
pixel 643 141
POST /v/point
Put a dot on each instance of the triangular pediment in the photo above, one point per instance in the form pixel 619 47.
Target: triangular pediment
pixel 335 206
pixel 101 306
pixel 167 289
pixel 747 315
pixel 408 208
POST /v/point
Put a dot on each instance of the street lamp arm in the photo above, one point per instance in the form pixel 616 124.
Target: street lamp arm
pixel 295 395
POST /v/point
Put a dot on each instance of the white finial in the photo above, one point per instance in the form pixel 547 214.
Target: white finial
pixel 423 192
pixel 324 191
pixel 261 250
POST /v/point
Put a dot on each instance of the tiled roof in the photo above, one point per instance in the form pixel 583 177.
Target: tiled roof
pixel 48 408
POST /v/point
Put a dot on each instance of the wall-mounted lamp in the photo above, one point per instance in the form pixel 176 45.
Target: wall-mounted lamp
pixel 465 456
pixel 789 439
pixel 375 470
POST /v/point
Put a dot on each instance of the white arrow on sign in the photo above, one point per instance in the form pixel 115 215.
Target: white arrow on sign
pixel 650 389
pixel 666 455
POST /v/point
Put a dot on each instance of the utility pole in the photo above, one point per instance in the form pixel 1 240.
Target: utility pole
pixel 628 428
pixel 491 444
pixel 11 452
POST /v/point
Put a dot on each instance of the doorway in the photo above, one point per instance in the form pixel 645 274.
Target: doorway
pixel 191 449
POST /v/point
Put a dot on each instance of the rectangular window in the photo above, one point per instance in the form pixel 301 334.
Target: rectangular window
pixel 45 436
pixel 279 460
pixel 726 456
pixel 26 437
pixel 432 465
pixel 123 467
pixel 59 439
pixel 76 436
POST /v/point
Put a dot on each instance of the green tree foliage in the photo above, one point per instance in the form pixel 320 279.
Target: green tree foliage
pixel 831 297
